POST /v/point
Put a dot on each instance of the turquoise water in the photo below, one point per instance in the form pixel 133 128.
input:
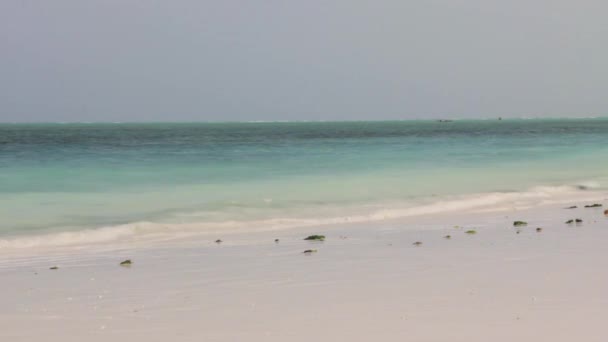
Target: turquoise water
pixel 67 177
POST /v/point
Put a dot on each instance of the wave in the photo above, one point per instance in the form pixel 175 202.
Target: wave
pixel 153 231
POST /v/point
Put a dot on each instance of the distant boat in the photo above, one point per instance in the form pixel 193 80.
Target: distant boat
pixel 445 120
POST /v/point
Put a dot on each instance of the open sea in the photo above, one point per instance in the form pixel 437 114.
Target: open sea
pixel 77 183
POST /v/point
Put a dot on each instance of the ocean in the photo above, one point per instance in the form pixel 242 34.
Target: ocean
pixel 79 183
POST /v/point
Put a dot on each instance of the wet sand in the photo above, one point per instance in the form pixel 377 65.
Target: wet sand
pixel 365 282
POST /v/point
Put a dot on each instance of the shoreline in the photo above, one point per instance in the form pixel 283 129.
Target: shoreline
pixel 142 234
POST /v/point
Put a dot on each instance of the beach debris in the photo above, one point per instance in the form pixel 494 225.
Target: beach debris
pixel 606 212
pixel 596 205
pixel 539 229
pixel 520 223
pixel 570 221
pixel 316 238
pixel 578 220
pixel 276 240
pixel 447 237
pixel 518 231
pixel 218 241
pixel 53 268
pixel 310 251
pixel 417 243
pixel 471 232
pixel 126 263
pixel 571 207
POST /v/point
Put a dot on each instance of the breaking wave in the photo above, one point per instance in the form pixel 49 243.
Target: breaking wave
pixel 154 231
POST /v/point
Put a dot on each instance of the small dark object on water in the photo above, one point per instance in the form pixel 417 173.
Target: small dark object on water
pixel 520 223
pixel 316 238
pixel 417 243
pixel 447 237
pixel 569 221
pixel 471 232
pixel 218 241
pixel 276 240
pixel 578 221
pixel 310 251
pixel 538 230
pixel 596 205
pixel 572 207
pixel 53 268
pixel 518 231
pixel 606 212
pixel 127 262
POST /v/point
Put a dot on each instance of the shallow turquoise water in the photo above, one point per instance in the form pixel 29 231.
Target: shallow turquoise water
pixel 58 177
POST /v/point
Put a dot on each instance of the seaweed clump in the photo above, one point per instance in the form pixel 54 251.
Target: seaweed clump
pixel 520 223
pixel 315 238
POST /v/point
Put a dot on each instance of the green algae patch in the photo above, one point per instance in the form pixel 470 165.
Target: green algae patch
pixel 315 238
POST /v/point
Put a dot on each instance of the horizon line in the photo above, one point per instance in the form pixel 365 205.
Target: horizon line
pixel 496 118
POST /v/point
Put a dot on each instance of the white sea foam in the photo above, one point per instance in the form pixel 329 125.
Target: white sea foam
pixel 474 203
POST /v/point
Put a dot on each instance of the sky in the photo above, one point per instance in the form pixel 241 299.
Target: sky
pixel 246 60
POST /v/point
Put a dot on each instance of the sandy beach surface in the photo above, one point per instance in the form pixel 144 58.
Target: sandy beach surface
pixel 365 282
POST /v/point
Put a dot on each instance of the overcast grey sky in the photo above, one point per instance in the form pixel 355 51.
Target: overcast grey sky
pixel 127 60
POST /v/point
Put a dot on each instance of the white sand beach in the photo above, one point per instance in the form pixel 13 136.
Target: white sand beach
pixel 365 282
pixel 164 163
